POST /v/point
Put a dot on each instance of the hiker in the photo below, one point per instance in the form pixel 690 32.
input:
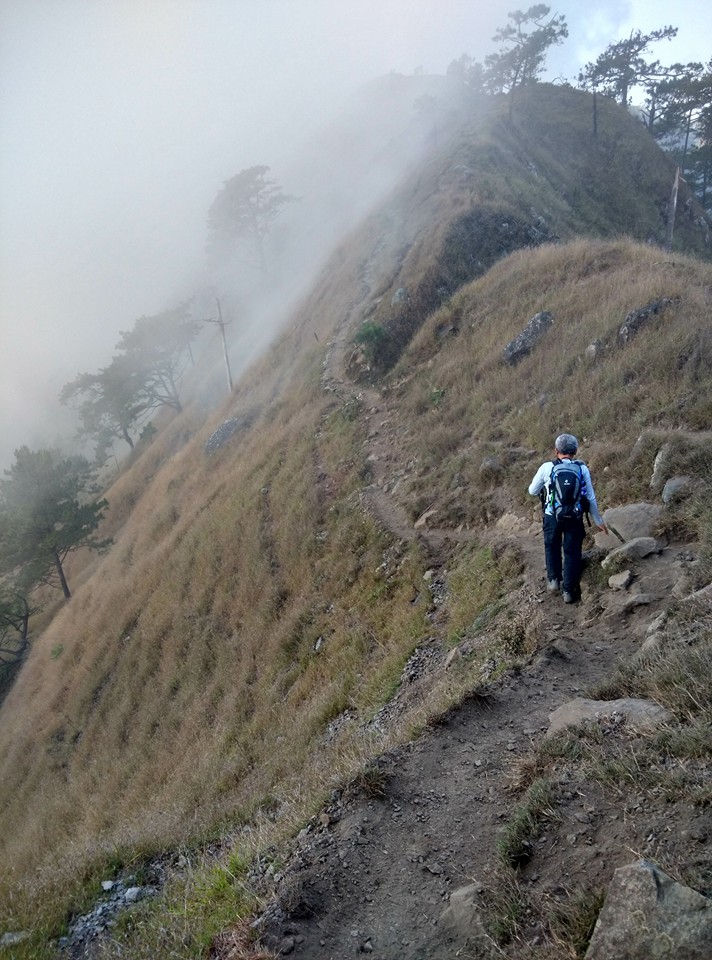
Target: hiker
pixel 566 492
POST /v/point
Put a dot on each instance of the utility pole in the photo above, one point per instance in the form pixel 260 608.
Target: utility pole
pixel 222 324
pixel 672 207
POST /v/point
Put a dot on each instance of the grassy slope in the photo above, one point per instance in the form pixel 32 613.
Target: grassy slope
pixel 180 689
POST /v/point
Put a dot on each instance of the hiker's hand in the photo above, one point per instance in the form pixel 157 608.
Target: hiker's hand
pixel 603 527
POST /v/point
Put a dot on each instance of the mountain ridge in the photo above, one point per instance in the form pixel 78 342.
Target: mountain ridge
pixel 252 599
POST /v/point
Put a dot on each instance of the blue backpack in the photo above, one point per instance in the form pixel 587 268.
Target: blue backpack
pixel 567 491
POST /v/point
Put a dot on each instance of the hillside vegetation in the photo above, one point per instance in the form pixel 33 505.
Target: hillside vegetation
pixel 221 666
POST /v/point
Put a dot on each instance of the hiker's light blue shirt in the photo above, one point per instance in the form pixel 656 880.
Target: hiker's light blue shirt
pixel 542 478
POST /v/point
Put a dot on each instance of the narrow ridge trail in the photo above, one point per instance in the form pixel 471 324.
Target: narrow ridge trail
pixel 373 874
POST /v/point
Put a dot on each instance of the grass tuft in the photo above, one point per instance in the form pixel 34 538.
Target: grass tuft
pixel 516 841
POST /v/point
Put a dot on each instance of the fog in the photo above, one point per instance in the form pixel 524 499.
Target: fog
pixel 121 119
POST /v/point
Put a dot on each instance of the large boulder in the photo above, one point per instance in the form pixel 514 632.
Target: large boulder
pixel 641 714
pixel 649 916
pixel 631 521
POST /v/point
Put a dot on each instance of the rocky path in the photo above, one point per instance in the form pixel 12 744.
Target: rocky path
pixel 376 871
pixel 374 874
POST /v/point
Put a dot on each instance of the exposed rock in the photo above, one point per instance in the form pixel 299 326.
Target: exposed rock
pixel 649 916
pixel 657 480
pixel 676 488
pixel 620 603
pixel 594 350
pixel 423 519
pixel 455 654
pixel 461 920
pixel 641 714
pixel 90 926
pixel 224 432
pixel 620 581
pixel 638 318
pixel 632 550
pixel 357 365
pixel 12 939
pixel 400 296
pixel 522 345
pixel 512 523
pixel 666 461
pixel 655 633
pixel 683 587
pixel 634 600
pixel 491 468
pixel 632 521
pixel 702 596
pixel 656 625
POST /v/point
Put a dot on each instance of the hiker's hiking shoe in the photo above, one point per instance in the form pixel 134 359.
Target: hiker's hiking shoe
pixel 553 586
pixel 569 597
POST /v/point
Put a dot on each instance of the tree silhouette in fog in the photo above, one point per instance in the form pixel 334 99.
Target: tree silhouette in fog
pixel 143 376
pixel 242 215
pixel 46 511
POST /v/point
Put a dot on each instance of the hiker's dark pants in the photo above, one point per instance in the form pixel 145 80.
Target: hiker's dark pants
pixel 570 537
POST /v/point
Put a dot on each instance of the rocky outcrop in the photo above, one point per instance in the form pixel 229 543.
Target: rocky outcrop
pixel 523 345
pixel 638 318
pixel 223 434
pixel 649 916
pixel 84 930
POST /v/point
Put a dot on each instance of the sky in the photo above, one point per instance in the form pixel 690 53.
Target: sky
pixel 120 120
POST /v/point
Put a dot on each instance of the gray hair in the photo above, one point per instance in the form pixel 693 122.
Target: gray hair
pixel 566 443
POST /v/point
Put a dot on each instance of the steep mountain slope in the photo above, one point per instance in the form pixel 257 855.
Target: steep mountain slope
pixel 222 667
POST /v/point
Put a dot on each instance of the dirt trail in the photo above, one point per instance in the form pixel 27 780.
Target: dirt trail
pixel 374 874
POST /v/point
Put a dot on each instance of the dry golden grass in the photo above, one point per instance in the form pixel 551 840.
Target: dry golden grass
pixel 189 684
pixel 241 608
pixel 658 382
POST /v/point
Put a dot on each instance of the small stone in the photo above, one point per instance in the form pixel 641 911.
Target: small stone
pixel 107 885
pixel 286 947
pixel 11 939
pixel 620 581
pixel 133 894
pixel 422 521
